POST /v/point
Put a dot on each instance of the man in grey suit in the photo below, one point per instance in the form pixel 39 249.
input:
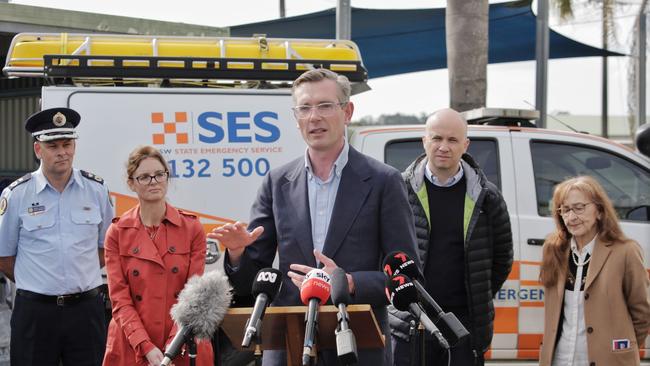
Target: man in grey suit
pixel 332 207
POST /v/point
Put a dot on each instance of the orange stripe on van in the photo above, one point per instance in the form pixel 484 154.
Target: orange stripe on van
pixel 528 354
pixel 529 283
pixel 488 355
pixel 530 263
pixel 124 202
pixel 514 273
pixel 529 341
pixel 506 320
pixel 531 304
pixel 528 346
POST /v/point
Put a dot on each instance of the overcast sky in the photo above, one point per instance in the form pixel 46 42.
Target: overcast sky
pixel 573 86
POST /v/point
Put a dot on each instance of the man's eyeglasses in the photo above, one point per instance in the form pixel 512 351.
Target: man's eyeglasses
pixel 578 209
pixel 323 109
pixel 159 177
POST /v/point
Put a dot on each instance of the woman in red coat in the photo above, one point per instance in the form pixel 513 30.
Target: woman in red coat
pixel 150 251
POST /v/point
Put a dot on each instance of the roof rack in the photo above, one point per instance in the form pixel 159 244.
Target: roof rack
pixel 501 117
pixel 100 59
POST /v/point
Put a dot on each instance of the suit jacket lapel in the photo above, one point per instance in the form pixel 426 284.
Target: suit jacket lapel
pixel 352 193
pixel 295 191
pixel 600 254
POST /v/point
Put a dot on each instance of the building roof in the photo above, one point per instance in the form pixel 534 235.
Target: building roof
pixel 16 18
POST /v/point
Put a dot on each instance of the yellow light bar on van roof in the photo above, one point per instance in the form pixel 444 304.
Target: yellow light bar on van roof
pixel 27 50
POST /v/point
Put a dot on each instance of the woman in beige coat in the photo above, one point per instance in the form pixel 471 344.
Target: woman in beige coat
pixel 597 309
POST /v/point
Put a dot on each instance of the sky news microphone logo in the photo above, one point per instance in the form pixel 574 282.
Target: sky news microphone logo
pixel 318 274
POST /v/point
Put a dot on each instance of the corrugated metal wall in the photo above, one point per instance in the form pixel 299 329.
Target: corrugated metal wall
pixel 16 151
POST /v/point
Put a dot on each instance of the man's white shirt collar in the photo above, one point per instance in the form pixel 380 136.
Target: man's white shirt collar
pixel 450 182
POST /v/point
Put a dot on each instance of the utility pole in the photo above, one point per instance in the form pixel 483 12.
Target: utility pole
pixel 541 56
pixel 343 19
pixel 641 72
pixel 605 85
pixel 282 9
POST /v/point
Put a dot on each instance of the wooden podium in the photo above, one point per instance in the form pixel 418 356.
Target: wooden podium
pixel 283 328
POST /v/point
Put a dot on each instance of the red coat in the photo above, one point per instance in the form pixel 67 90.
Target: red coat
pixel 144 281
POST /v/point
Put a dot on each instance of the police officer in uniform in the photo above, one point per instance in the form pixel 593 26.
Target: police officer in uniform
pixel 52 226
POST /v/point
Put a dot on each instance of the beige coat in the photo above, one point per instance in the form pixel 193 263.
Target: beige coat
pixel 617 305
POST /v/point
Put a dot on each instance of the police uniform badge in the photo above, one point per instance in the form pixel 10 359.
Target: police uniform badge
pixel 59 119
pixel 3 205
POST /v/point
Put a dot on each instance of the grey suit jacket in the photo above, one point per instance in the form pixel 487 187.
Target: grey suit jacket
pixel 371 218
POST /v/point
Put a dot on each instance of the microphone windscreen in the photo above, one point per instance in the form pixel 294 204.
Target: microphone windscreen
pixel 340 288
pixel 315 286
pixel 202 303
pixel 401 292
pixel 400 263
pixel 268 281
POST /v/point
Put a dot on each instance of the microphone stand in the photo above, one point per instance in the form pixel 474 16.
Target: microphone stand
pixel 312 352
pixel 191 350
pixel 422 334
pixel 413 345
pixel 345 340
pixel 258 349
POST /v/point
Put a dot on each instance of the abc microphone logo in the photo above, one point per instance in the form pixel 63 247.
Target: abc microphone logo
pixel 267 277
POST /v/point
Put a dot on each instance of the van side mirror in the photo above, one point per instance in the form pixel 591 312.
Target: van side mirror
pixel 640 213
pixel 642 139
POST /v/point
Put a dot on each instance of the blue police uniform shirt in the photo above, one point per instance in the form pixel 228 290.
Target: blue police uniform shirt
pixel 55 235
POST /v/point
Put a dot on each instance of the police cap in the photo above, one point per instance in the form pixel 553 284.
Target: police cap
pixel 53 124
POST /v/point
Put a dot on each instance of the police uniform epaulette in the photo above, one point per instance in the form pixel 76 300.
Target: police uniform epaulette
pixel 3 200
pixel 92 176
pixel 187 214
pixel 20 181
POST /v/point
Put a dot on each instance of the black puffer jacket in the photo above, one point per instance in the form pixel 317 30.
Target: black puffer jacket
pixel 488 245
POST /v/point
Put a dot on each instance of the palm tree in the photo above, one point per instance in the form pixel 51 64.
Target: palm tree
pixel 466 26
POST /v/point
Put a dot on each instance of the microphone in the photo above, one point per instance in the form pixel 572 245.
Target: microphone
pixel 346 345
pixel 315 290
pixel 266 286
pixel 397 263
pixel 201 306
pixel 402 294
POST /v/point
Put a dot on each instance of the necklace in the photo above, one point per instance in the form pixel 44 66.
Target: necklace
pixel 576 261
pixel 152 231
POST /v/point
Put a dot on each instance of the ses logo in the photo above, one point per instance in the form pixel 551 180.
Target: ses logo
pixel 215 127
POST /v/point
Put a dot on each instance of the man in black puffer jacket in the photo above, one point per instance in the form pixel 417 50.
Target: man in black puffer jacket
pixel 464 241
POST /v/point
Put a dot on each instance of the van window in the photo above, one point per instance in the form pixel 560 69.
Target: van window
pixel 626 183
pixel 401 153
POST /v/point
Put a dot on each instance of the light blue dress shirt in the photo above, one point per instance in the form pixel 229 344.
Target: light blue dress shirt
pixel 322 195
pixel 450 182
pixel 55 236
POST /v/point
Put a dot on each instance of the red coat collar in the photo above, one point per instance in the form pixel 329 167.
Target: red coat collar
pixel 131 218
